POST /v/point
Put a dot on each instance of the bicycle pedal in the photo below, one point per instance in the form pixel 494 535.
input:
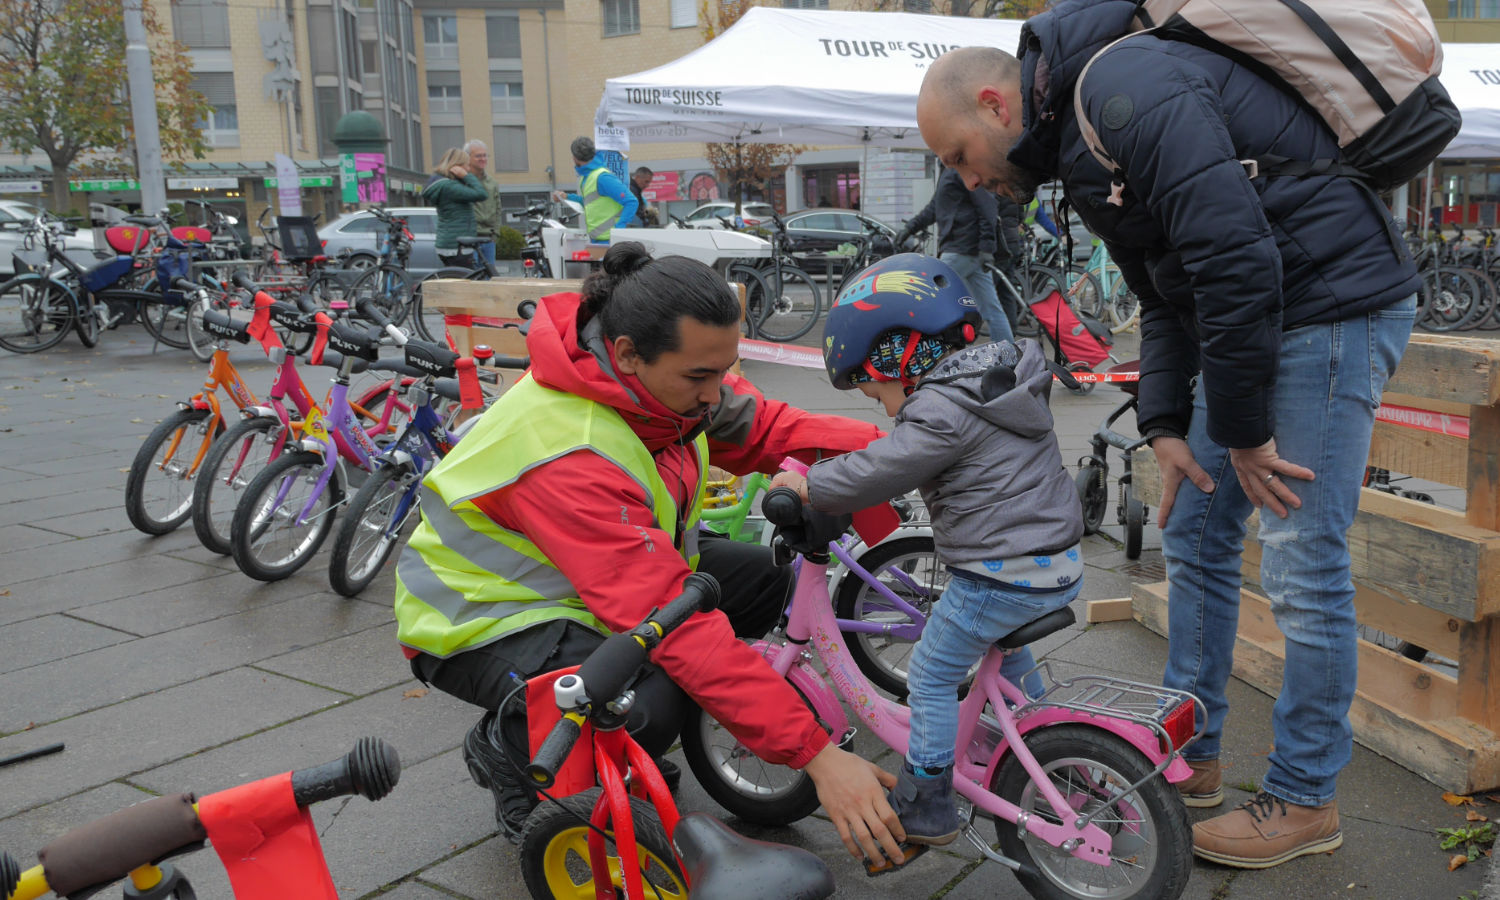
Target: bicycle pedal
pixel 885 866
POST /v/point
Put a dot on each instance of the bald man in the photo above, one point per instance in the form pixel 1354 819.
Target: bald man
pixel 1273 309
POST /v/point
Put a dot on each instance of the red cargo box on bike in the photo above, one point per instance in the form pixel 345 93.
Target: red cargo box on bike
pixel 126 238
pixel 192 233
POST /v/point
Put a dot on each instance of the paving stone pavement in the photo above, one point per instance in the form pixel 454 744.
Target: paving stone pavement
pixel 163 669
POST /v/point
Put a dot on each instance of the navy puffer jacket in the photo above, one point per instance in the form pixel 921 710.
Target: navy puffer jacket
pixel 1220 262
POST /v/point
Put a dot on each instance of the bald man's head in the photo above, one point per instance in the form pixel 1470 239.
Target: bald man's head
pixel 969 113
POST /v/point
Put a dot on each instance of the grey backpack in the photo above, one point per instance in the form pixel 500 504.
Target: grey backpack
pixel 1369 68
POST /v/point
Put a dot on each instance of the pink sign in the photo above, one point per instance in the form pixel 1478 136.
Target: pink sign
pixel 664 186
pixel 371 173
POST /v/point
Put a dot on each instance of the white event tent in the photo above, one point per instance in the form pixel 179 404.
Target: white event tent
pixel 828 77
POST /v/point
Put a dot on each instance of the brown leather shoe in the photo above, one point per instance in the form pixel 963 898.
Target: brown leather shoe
pixel 1205 788
pixel 1267 831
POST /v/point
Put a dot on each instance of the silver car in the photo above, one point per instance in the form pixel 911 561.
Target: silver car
pixel 15 215
pixel 360 232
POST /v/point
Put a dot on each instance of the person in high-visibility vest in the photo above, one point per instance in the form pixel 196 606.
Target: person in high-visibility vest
pixel 606 200
pixel 571 509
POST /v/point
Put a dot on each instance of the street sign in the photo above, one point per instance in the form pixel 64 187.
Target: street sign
pixel 119 184
pixel 307 181
pixel 20 187
pixel 350 178
pixel 202 184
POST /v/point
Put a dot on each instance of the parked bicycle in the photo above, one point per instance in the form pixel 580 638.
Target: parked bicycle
pixel 386 284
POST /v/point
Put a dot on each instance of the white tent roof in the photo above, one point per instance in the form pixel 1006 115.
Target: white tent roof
pixel 835 77
pixel 798 77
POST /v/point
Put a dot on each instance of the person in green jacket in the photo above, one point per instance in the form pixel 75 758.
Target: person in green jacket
pixel 454 190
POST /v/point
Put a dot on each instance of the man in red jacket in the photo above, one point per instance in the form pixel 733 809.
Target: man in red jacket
pixel 651 340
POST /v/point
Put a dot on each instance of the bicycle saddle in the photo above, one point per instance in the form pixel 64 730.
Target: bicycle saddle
pixel 148 221
pixel 723 865
pixel 472 241
pixel 1037 629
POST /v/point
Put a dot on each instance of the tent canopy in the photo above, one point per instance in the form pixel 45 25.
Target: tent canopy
pixel 1471 73
pixel 798 77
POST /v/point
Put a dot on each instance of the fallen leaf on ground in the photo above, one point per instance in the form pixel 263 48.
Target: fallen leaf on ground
pixel 29 726
pixel 1473 816
pixel 414 693
pixel 1456 860
pixel 1453 799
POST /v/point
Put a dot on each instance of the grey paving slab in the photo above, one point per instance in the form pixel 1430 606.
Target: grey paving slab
pixel 419 728
pixel 109 675
pixel 107 520
pixel 72 460
pixel 146 732
pixel 51 507
pixel 211 597
pixel 23 537
pixel 48 638
pixel 1123 648
pixel 17 486
pixel 415 890
pixel 68 589
pixel 357 664
pixel 70 555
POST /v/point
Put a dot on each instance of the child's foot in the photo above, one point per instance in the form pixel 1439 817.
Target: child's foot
pixel 924 803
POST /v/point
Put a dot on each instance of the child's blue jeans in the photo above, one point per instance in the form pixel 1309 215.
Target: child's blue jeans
pixel 972 614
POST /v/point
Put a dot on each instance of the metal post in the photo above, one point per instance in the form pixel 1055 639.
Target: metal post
pixel 143 111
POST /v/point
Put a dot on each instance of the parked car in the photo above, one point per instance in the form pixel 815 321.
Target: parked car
pixel 712 215
pixel 361 232
pixel 822 230
pixel 14 216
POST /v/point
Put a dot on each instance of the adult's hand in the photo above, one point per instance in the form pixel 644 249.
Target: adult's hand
pixel 852 791
pixel 459 172
pixel 1262 473
pixel 1175 460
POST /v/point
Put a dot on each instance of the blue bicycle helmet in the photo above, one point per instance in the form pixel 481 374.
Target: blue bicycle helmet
pixel 907 307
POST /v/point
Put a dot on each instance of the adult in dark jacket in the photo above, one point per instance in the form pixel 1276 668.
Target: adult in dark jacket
pixel 966 241
pixel 1289 299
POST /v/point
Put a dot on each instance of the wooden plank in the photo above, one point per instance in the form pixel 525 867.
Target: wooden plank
pixel 1423 454
pixel 1116 610
pixel 1395 398
pixel 1450 369
pixel 1145 477
pixel 1479 672
pixel 1483 506
pixel 1427 555
pixel 1451 752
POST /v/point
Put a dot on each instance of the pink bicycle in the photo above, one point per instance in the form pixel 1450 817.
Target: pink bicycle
pixel 1077 781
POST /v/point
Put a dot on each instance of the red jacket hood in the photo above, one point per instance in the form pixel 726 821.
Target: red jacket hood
pixel 561 361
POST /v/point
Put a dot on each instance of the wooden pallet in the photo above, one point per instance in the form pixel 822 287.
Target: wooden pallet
pixel 1422 574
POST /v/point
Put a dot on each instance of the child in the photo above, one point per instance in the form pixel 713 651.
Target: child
pixel 974 433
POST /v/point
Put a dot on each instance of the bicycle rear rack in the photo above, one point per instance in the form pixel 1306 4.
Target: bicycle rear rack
pixel 1148 705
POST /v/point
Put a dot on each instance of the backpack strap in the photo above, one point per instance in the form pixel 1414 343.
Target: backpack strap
pixel 1091 135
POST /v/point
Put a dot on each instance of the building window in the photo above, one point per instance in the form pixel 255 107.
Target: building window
pixel 684 14
pixel 440 34
pixel 444 98
pixel 221 126
pixel 445 138
pixel 917 6
pixel 504 36
pixel 509 152
pixel 804 4
pixel 201 24
pixel 621 17
pixel 506 97
pixel 1474 9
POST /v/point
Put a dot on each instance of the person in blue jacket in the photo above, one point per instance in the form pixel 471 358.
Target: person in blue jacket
pixel 1273 310
pixel 606 200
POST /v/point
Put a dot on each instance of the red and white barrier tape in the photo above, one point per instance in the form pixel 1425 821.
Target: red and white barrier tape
pixel 1424 420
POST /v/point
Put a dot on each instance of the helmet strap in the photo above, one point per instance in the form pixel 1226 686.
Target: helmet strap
pixel 907 383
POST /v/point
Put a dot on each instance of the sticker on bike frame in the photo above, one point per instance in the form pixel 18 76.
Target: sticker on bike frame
pixel 314 427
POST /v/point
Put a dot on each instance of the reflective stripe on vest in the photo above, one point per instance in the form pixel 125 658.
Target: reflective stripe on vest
pixel 600 213
pixel 463 580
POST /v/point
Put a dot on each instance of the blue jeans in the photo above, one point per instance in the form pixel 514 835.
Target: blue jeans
pixel 487 250
pixel 982 287
pixel 1328 387
pixel 970 616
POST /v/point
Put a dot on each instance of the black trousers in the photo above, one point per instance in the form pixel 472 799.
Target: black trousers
pixel 754 591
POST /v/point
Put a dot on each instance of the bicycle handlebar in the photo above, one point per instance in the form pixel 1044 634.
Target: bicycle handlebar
pixel 782 506
pixel 244 282
pixel 365 306
pixel 607 672
pixel 186 286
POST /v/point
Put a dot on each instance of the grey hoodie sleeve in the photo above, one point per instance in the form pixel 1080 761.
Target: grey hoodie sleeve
pixel 920 447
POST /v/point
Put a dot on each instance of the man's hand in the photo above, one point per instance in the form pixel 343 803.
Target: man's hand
pixel 852 791
pixel 794 481
pixel 1175 460
pixel 1261 474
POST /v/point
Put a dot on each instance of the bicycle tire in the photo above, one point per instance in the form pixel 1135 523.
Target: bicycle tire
pixel 255 532
pixel 555 856
pixel 388 287
pixel 1111 764
pixel 793 307
pixel 428 323
pixel 756 292
pixel 166 321
pixel 36 313
pixel 86 323
pixel 883 657
pixel 199 342
pixel 1124 307
pixel 1484 305
pixel 1453 294
pixel 232 462
pixel 371 527
pixel 1084 293
pixel 163 451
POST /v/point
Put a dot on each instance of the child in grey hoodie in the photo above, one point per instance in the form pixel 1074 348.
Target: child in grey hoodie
pixel 973 432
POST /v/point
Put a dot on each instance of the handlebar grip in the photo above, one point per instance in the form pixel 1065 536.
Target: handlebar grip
pixel 521 363
pixel 700 593
pixel 244 282
pixel 371 770
pixel 306 303
pixel 554 750
pixel 367 309
pixel 782 506
pixel 609 669
pixel 10 874
pixel 182 284
pixel 526 309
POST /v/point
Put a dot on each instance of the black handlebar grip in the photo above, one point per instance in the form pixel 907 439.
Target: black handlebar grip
pixel 526 309
pixel 182 284
pixel 366 307
pixel 554 752
pixel 306 303
pixel 782 506
pixel 10 874
pixel 243 282
pixel 509 362
pixel 611 667
pixel 700 593
pixel 371 770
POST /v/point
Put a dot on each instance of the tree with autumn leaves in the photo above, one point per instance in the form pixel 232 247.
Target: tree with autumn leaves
pixel 63 88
